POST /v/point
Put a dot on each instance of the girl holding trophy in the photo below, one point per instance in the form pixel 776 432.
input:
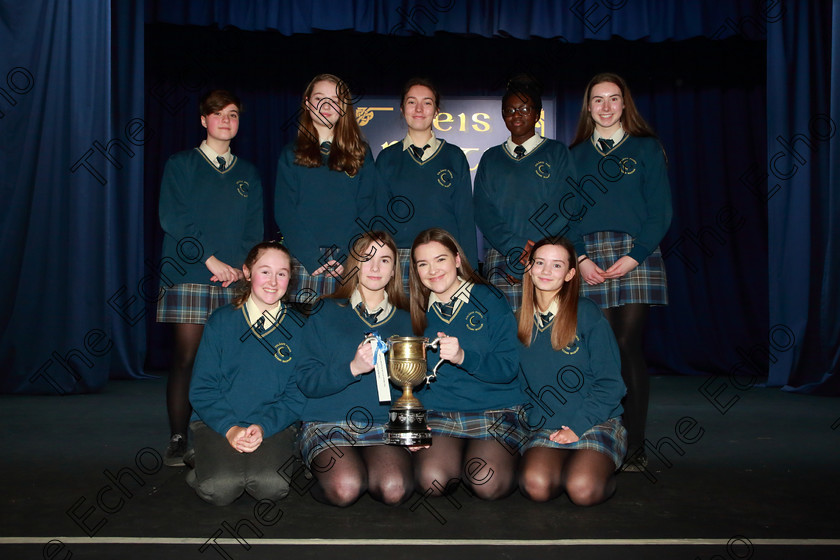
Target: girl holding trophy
pixel 569 351
pixel 342 437
pixel 473 404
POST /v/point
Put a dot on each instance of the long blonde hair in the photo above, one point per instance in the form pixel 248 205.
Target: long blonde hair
pixel 565 324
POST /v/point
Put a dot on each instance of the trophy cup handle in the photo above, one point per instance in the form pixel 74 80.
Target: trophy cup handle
pixel 434 344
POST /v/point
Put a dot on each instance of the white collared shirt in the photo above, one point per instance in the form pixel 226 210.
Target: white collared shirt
pixel 553 309
pixel 463 293
pixel 530 144
pixel 254 314
pixel 432 142
pixel 384 305
pixel 616 137
pixel 212 155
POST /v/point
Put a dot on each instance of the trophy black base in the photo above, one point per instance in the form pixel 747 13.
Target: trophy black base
pixel 407 427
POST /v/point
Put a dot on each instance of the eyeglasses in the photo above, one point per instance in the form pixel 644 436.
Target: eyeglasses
pixel 524 111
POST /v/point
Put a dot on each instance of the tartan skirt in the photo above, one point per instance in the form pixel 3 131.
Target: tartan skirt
pixel 647 283
pixel 192 303
pixel 305 288
pixel 502 425
pixel 500 275
pixel 609 438
pixel 316 437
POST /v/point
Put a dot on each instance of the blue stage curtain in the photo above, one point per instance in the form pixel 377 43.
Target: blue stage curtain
pixel 574 20
pixel 71 140
pixel 803 187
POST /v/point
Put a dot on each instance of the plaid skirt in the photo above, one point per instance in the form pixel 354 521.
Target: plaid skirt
pixel 646 283
pixel 502 425
pixel 609 438
pixel 316 437
pixel 500 275
pixel 305 288
pixel 405 266
pixel 192 303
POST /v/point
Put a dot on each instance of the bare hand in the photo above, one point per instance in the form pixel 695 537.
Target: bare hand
pixel 222 272
pixel 564 435
pixel 332 268
pixel 621 267
pixel 363 361
pixel 591 272
pixel 450 349
pixel 245 440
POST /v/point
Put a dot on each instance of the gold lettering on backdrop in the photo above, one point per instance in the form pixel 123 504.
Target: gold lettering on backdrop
pixel 479 122
pixel 481 125
pixel 365 114
pixel 443 118
pixel 541 123
pixel 467 155
pixel 386 143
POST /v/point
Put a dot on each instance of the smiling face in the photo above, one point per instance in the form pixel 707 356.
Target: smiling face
pixel 269 278
pixel 221 125
pixel 376 272
pixel 437 268
pixel 324 106
pixel 551 269
pixel 419 108
pixel 606 105
pixel 520 116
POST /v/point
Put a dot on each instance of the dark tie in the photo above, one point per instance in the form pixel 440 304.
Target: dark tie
pixel 446 309
pixel 546 317
pixel 418 151
pixel 370 318
pixel 606 145
pixel 325 147
pixel 259 326
pixel 519 151
pixel 222 163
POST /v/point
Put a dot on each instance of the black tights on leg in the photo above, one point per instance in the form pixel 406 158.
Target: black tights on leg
pixel 587 476
pixel 628 324
pixel 187 338
pixel 389 471
pixel 341 475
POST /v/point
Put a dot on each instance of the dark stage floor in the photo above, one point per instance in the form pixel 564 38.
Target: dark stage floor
pixel 758 481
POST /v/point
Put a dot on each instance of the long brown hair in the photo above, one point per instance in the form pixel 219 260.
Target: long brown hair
pixel 253 256
pixel 631 120
pixel 394 288
pixel 347 152
pixel 565 324
pixel 419 294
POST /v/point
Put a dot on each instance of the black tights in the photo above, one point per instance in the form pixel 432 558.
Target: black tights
pixel 485 465
pixel 187 338
pixel 384 471
pixel 587 476
pixel 628 325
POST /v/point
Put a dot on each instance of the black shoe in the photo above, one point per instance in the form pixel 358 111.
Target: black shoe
pixel 174 454
pixel 189 458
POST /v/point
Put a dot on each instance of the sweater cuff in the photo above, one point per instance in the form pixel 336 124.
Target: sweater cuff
pixel 639 253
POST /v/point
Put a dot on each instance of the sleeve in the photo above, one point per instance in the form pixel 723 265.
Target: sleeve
pixel 498 362
pixel 177 205
pixel 207 394
pixel 372 191
pixel 488 215
pixel 656 191
pixel 320 372
pixel 603 385
pixel 384 194
pixel 463 209
pixel 283 410
pixel 253 227
pixel 287 212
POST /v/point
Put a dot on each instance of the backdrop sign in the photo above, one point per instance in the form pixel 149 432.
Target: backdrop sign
pixel 471 123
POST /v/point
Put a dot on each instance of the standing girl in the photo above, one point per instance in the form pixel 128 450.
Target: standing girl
pixel 326 180
pixel 430 175
pixel 211 214
pixel 521 189
pixel 570 351
pixel 343 432
pixel 473 405
pixel 243 392
pixel 619 257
